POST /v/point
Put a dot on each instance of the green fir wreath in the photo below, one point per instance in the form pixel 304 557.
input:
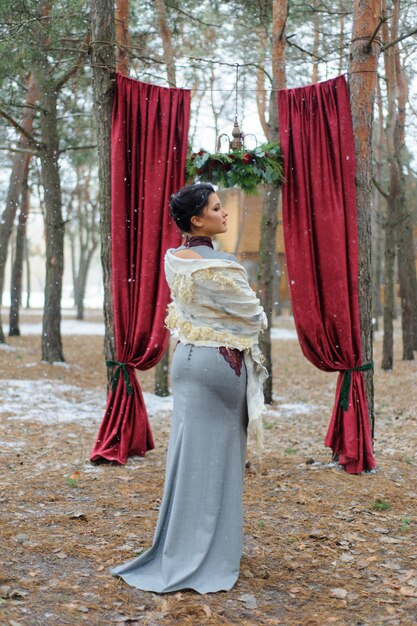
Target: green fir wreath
pixel 246 169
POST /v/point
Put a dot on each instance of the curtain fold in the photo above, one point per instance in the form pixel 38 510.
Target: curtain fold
pixel 321 243
pixel 149 146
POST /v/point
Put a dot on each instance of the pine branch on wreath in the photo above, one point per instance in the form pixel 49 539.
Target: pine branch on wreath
pixel 246 169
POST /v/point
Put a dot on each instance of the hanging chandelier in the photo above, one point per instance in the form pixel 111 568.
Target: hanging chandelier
pixel 237 142
pixel 237 166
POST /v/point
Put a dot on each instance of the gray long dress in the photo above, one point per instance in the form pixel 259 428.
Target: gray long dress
pixel 198 538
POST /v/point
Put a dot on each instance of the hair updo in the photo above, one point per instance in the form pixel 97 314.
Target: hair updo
pixel 189 201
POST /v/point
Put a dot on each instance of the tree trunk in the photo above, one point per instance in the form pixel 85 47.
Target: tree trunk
pixel 378 218
pixel 71 237
pixel 17 271
pixel 398 217
pixel 54 224
pixel 103 66
pixel 161 369
pixel 389 289
pixel 260 81
pixel 405 240
pixel 13 194
pixel 389 253
pixel 28 282
pixel 266 277
pixel 122 37
pixel 362 80
pixel 161 376
pixel 169 58
pixel 341 35
pixel 84 266
pixel 316 41
pixel 269 221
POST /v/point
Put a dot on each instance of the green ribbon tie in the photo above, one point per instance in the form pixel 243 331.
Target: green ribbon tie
pixel 345 391
pixel 120 367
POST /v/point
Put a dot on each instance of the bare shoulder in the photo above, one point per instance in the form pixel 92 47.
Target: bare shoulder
pixel 187 254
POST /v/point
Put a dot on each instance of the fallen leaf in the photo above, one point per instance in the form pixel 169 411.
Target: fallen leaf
pixel 78 515
pixel 75 475
pixel 249 600
pixel 346 558
pixel 408 591
pixel 339 593
pixel 317 534
pixel 17 594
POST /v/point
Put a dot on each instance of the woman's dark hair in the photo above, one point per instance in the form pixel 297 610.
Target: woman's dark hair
pixel 188 201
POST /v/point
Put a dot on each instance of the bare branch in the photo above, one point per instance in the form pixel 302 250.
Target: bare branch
pixel 18 127
pixel 381 191
pixel 22 150
pixel 401 38
pixel 295 45
pixel 191 16
pixel 382 20
pixel 78 63
pixel 86 147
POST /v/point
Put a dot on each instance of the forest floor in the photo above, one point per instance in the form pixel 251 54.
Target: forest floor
pixel 320 547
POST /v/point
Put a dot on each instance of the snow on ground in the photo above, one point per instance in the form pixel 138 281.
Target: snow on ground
pixel 6 348
pixel 68 327
pixel 52 402
pixel 283 334
pixel 289 409
pixel 49 402
pixel 77 327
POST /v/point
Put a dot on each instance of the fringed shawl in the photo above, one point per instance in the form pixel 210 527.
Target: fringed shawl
pixel 213 305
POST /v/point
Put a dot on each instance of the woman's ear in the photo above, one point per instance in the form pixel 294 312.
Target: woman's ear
pixel 196 221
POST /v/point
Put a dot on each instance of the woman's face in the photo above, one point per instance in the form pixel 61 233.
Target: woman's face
pixel 213 219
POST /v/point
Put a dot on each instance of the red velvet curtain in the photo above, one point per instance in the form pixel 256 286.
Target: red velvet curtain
pixel 321 242
pixel 149 147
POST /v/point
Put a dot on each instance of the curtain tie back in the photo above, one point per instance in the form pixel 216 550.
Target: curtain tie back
pixel 344 392
pixel 120 367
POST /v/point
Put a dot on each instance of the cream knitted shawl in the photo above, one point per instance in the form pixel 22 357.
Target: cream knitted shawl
pixel 213 305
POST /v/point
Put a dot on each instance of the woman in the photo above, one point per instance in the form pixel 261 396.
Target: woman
pixel 217 379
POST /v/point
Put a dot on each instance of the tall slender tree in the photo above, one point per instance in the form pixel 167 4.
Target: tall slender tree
pixel 83 231
pixel 168 51
pixel 19 256
pixel 25 144
pixel 54 223
pixel 122 36
pixel 161 369
pixel 269 222
pixel 404 225
pixel 103 66
pixel 364 52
